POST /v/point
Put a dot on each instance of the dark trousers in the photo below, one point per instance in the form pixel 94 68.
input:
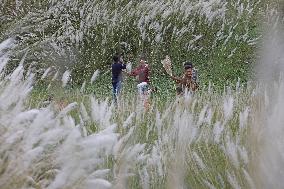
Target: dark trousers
pixel 116 87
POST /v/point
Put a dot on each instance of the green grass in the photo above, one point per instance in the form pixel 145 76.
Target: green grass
pixel 145 131
pixel 102 37
pixel 168 125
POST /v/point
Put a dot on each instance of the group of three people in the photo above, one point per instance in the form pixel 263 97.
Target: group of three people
pixel 187 82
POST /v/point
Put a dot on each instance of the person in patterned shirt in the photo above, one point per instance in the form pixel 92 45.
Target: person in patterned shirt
pixel 142 73
pixel 186 81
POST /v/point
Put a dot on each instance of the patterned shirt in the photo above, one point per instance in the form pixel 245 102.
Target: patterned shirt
pixel 184 83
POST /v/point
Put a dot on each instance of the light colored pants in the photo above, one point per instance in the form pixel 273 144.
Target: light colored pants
pixel 142 88
pixel 144 94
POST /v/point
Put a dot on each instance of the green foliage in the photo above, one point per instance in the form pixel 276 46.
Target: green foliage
pixel 82 36
pixel 151 127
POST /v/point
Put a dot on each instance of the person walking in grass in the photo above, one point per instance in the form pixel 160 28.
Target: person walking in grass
pixel 116 69
pixel 186 82
pixel 142 73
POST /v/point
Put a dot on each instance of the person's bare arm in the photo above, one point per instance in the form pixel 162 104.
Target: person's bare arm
pixel 177 79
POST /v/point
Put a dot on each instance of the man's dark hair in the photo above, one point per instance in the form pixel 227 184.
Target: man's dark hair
pixel 187 65
pixel 116 57
pixel 143 57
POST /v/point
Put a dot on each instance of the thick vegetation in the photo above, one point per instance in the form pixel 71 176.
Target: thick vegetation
pixel 219 37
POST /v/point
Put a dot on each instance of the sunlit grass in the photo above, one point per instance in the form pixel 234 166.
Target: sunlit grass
pixel 58 134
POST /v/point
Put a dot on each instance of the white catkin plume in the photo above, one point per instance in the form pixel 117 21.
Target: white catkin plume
pixel 102 173
pixel 185 134
pixel 198 161
pixel 128 158
pixel 220 180
pixel 68 108
pixel 17 74
pixel 46 72
pixel 65 78
pixel 209 116
pixel 84 113
pixel 202 115
pixel 228 107
pixel 82 90
pixel 208 184
pixel 159 124
pixel 101 112
pixel 49 86
pixel 50 149
pixel 118 147
pixel 3 62
pixel 155 159
pixel 232 52
pixel 6 45
pixel 243 154
pixel 233 181
pixel 144 176
pixel 217 131
pixel 37 140
pixel 244 118
pixel 249 179
pixel 268 119
pixel 231 149
pixel 82 127
pixel 129 120
pixel 95 75
pixel 98 183
pixel 55 76
pixel 128 67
